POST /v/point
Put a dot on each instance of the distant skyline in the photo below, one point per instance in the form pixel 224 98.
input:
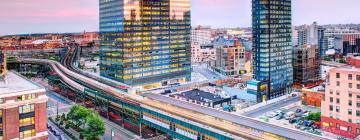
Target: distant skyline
pixel 53 16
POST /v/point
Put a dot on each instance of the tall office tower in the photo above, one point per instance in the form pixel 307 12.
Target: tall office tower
pixel 272 46
pixel 323 41
pixel 145 43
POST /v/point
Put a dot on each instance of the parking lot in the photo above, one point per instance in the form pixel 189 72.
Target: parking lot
pixel 295 117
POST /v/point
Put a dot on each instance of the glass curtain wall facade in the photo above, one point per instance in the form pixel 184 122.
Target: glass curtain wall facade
pixel 145 41
pixel 272 45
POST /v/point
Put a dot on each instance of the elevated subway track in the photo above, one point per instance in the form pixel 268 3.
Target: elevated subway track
pixel 230 125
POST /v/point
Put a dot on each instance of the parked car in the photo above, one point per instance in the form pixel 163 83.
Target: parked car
pixel 272 115
pixel 289 115
pixel 279 112
pixel 292 121
pixel 308 123
pixel 279 117
pixel 264 118
pixel 298 110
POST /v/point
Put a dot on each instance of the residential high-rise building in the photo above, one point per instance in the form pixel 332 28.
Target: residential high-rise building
pixel 22 109
pixel 145 43
pixel 272 45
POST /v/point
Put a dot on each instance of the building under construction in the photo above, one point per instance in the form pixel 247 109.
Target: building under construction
pixel 306 64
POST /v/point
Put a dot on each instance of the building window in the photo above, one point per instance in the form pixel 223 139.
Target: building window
pixel 349 111
pixel 358 77
pixel 337 117
pixel 331 115
pixel 26 109
pixel 358 96
pixel 337 125
pixel 331 92
pixel 350 103
pixel 349 128
pixel 350 94
pixel 357 121
pixel 26 97
pixel 357 113
pixel 331 108
pixel 337 108
pixel 349 76
pixel 350 85
pixel 337 83
pixel 357 130
pixel 27 133
pixel 331 99
pixel 337 75
pixel 337 93
pixel 350 120
pixel 358 86
pixel 337 100
pixel 27 121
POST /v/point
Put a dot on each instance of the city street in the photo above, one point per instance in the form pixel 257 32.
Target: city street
pixel 203 69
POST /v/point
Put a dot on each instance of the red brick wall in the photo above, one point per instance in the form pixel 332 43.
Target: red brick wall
pixel 338 131
pixel 40 117
pixel 11 123
pixel 354 62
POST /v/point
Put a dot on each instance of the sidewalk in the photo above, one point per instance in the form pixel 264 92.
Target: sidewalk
pixel 58 130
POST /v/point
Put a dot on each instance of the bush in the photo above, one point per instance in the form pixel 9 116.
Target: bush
pixel 81 136
pixel 61 122
pixel 67 126
pixel 57 119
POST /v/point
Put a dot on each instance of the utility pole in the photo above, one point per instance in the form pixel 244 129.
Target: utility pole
pixel 57 108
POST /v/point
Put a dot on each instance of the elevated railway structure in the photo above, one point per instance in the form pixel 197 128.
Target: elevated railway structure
pixel 181 120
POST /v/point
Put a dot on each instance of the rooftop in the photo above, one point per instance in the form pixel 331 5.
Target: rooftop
pixel 14 83
pixel 200 95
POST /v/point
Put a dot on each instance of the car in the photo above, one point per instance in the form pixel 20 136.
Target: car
pixel 279 112
pixel 304 128
pixel 279 117
pixel 264 118
pixel 292 121
pixel 298 110
pixel 272 115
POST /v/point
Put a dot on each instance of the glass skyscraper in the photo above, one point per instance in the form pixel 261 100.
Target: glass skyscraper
pixel 272 46
pixel 145 42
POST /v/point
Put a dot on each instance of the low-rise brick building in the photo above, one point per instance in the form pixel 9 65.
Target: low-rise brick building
pixel 22 109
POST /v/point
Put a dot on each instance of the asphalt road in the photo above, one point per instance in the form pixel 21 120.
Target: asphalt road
pixel 271 107
pixel 203 70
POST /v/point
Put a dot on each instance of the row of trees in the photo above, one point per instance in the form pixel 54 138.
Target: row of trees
pixel 84 121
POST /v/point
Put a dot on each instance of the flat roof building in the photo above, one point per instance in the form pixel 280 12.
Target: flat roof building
pixel 22 109
pixel 202 97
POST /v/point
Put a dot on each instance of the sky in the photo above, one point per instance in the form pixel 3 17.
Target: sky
pixel 50 16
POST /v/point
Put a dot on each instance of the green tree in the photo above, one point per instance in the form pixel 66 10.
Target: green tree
pixel 78 115
pixel 95 127
pixel 314 116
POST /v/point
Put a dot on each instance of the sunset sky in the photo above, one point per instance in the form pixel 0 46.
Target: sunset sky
pixel 38 16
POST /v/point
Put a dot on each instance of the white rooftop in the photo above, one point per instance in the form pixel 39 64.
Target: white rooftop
pixel 14 84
